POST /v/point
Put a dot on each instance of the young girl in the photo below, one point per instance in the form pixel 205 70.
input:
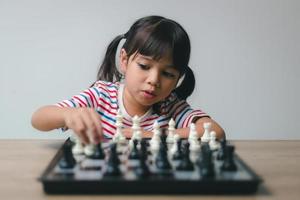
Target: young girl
pixel 153 82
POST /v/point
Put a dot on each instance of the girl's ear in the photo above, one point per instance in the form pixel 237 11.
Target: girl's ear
pixel 123 61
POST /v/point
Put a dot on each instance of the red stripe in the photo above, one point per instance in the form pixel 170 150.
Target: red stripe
pixel 106 89
pixel 151 118
pixel 187 120
pixel 108 124
pixel 180 108
pixel 80 101
pixel 65 104
pixel 108 131
pixel 127 124
pixel 163 126
pixel 105 102
pixel 107 110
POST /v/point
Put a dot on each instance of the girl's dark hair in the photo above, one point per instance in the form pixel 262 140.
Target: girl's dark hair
pixel 153 36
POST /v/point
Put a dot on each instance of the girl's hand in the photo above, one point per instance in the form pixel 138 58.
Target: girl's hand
pixel 85 122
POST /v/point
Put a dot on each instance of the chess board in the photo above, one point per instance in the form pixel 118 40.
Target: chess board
pixel 88 176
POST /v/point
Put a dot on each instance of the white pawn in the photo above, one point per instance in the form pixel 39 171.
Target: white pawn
pixel 89 149
pixel 136 130
pixel 78 147
pixel 193 139
pixel 171 131
pixel 206 135
pixel 213 144
pixel 193 135
pixel 174 148
pixel 155 140
pixel 119 137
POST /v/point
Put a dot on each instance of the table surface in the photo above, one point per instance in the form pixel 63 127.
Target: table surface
pixel 277 162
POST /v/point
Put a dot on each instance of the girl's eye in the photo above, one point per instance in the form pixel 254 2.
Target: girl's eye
pixel 142 66
pixel 168 74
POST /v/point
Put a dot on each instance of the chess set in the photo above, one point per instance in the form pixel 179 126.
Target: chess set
pixel 163 164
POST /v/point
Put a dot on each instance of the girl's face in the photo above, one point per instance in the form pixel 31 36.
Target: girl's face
pixel 147 81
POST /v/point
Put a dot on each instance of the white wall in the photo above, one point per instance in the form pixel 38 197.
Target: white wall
pixel 245 55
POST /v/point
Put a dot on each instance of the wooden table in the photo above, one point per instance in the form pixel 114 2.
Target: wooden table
pixel 22 162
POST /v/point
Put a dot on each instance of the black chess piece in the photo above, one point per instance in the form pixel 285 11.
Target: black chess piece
pixel 143 171
pixel 178 154
pixel 134 154
pixel 99 153
pixel 221 152
pixel 162 161
pixel 229 164
pixel 68 161
pixel 113 162
pixel 206 163
pixel 185 163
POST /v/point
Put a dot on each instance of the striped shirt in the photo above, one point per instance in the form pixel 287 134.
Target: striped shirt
pixel 106 99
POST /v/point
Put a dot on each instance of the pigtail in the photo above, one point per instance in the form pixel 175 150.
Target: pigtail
pixel 108 70
pixel 187 86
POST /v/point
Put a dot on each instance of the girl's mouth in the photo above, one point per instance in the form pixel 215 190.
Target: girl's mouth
pixel 148 94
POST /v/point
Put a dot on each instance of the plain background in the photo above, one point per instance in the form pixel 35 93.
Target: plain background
pixel 245 55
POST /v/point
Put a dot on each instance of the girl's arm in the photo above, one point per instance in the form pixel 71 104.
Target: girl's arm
pixel 83 121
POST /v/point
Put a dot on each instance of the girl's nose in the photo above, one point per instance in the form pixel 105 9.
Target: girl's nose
pixel 153 79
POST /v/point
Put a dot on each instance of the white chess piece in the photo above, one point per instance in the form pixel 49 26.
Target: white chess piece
pixel 174 147
pixel 193 135
pixel 193 139
pixel 89 149
pixel 155 140
pixel 213 144
pixel 78 147
pixel 206 135
pixel 136 130
pixel 119 137
pixel 171 131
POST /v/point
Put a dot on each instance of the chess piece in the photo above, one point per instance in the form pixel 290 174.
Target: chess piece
pixel 213 144
pixel 162 161
pixel 206 136
pixel 119 137
pixel 177 155
pixel 98 152
pixel 89 149
pixel 113 162
pixel 155 140
pixel 186 163
pixel 171 131
pixel 143 170
pixel 136 130
pixel 68 161
pixel 134 154
pixel 206 163
pixel 193 135
pixel 229 164
pixel 221 152
pixel 78 147
pixel 174 147
pixel 193 139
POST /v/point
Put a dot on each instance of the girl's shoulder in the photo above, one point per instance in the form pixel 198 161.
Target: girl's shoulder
pixel 107 86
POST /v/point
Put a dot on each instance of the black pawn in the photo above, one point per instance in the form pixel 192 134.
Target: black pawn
pixel 206 162
pixel 134 154
pixel 99 153
pixel 162 161
pixel 143 170
pixel 178 154
pixel 186 163
pixel 221 152
pixel 229 164
pixel 113 162
pixel 68 161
